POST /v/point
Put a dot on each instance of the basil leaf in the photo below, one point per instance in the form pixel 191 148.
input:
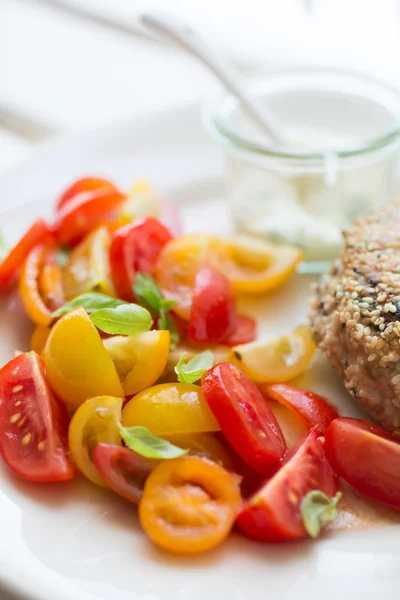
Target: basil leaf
pixel 62 255
pixel 125 319
pixel 90 302
pixel 317 509
pixel 145 443
pixel 191 371
pixel 166 304
pixel 166 322
pixel 147 291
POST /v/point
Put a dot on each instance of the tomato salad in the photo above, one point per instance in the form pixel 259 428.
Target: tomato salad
pixel 144 376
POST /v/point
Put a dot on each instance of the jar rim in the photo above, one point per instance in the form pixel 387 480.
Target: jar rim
pixel 388 142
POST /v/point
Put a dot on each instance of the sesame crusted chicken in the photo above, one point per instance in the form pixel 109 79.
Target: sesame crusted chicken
pixel 355 314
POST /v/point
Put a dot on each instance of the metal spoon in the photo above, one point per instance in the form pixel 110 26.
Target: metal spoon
pixel 175 30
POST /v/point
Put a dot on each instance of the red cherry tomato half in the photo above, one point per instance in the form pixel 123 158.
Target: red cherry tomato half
pixel 244 331
pixel 123 470
pixel 82 211
pixel 309 407
pixel 367 457
pixel 86 184
pixel 273 513
pixel 244 416
pixel 33 426
pixel 10 266
pixel 135 248
pixel 213 314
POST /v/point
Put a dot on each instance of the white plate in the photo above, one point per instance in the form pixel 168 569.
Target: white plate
pixel 76 542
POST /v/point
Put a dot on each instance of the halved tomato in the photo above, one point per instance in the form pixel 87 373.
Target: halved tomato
pixel 39 274
pixel 135 248
pixel 309 407
pixel 95 421
pixel 255 266
pixel 245 330
pixel 367 457
pixel 123 470
pixel 82 187
pixel 177 267
pixel 33 426
pixel 213 314
pixel 189 505
pixel 9 268
pixel 82 210
pixel 245 418
pixel 170 408
pixel 276 360
pixel 273 513
pixel 77 364
pixel 140 359
pixel 88 267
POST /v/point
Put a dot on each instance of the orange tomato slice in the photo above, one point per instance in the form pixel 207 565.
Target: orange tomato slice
pixel 189 505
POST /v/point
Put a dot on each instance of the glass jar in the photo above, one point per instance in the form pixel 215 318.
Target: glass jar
pixel 344 133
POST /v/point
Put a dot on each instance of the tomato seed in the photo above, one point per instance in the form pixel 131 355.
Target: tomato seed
pixel 26 439
pixel 17 388
pixel 42 445
pixel 15 418
pixel 21 422
pixel 18 403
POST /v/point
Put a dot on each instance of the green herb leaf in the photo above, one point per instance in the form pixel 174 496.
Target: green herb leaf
pixel 147 291
pixel 166 304
pixel 90 302
pixel 125 319
pixel 317 509
pixel 191 371
pixel 145 443
pixel 62 255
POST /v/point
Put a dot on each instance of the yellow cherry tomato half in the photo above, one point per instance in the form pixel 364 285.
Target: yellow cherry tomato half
pixel 77 364
pixel 39 338
pixel 170 408
pixel 88 267
pixel 203 444
pixel 139 359
pixel 276 360
pixel 95 421
pixel 189 505
pixel 254 266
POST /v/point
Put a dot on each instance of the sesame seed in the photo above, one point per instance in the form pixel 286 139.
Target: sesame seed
pixel 371 357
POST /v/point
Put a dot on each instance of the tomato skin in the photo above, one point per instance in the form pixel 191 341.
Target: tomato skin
pixel 85 184
pixel 33 426
pixel 245 418
pixel 95 421
pixel 84 212
pixel 273 513
pixel 245 331
pixel 367 457
pixel 10 266
pixel 213 314
pixel 123 470
pixel 135 248
pixel 189 505
pixel 309 407
pixel 39 300
pixel 170 409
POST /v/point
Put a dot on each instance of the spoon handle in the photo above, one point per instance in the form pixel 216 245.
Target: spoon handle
pixel 173 29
